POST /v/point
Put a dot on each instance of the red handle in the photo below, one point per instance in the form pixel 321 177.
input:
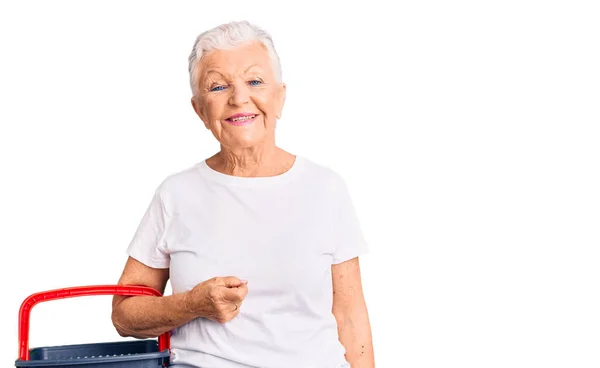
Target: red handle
pixel 44 296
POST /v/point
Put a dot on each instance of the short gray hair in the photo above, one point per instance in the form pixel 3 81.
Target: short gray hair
pixel 228 36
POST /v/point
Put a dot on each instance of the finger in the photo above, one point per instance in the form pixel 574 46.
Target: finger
pixel 235 295
pixel 230 281
pixel 243 291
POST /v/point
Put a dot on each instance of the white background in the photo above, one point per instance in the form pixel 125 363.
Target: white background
pixel 467 132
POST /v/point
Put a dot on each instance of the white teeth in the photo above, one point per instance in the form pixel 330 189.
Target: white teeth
pixel 243 118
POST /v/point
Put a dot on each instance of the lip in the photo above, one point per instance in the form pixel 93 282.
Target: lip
pixel 242 122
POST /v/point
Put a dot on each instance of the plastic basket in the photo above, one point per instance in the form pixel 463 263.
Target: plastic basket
pixel 122 354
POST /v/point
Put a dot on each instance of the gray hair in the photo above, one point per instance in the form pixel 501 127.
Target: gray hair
pixel 228 36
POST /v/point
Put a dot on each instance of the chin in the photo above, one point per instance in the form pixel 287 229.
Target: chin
pixel 244 143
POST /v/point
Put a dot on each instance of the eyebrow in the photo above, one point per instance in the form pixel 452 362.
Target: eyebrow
pixel 250 67
pixel 212 70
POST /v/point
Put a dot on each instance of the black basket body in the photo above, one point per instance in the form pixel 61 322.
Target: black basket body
pixel 125 354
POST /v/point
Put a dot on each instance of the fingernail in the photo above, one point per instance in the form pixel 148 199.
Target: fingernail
pixel 243 281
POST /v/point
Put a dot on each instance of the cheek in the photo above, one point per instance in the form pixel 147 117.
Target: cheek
pixel 266 102
pixel 213 110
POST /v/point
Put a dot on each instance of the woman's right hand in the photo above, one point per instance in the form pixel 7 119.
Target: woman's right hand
pixel 218 299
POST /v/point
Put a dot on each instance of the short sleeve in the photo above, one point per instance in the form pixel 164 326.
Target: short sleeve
pixel 348 235
pixel 147 245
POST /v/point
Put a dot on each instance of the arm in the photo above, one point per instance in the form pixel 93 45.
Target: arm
pixel 217 299
pixel 147 316
pixel 350 311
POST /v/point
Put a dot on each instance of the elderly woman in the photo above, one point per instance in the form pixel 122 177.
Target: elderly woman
pixel 260 246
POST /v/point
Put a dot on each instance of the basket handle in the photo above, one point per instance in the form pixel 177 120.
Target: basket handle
pixel 44 296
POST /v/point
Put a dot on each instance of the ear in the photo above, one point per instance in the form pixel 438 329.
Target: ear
pixel 281 100
pixel 199 109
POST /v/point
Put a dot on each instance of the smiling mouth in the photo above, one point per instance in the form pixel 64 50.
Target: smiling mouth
pixel 240 119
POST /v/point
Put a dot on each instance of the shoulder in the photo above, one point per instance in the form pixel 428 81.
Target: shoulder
pixel 178 180
pixel 323 174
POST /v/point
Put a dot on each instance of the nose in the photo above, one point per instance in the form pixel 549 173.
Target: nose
pixel 239 95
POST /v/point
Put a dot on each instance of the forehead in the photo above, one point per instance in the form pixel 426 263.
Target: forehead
pixel 236 61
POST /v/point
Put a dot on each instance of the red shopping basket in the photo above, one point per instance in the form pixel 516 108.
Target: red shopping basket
pixel 123 354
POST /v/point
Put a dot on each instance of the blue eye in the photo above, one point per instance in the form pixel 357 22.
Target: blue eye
pixel 217 88
pixel 257 82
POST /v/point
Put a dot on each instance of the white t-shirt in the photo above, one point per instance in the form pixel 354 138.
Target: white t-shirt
pixel 282 234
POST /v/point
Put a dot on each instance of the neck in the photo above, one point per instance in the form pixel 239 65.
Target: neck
pixel 251 162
